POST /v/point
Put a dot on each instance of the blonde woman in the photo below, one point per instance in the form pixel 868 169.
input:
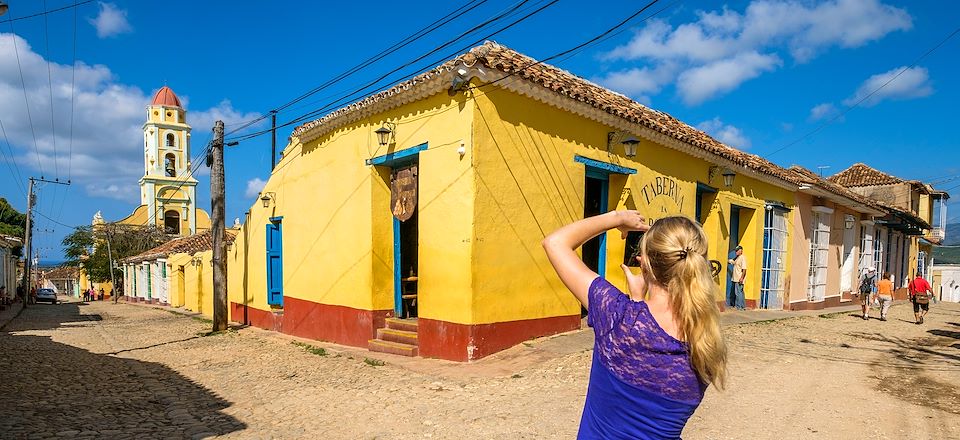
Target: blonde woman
pixel 657 348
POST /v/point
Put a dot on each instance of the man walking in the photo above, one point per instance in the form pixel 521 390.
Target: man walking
pixel 920 293
pixel 739 274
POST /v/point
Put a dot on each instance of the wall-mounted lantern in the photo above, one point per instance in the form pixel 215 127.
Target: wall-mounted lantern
pixel 267 197
pixel 386 133
pixel 196 261
pixel 629 142
pixel 849 221
pixel 727 173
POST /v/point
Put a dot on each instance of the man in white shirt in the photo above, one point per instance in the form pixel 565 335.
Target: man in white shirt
pixel 739 274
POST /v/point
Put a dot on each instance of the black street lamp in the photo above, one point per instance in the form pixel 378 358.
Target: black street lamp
pixel 3 7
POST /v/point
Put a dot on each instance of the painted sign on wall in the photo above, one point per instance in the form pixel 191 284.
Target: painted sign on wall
pixel 663 196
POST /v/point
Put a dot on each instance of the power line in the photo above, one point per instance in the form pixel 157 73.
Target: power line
pixel 363 89
pixel 396 46
pixel 53 124
pixel 864 98
pixel 409 39
pixel 73 83
pixel 74 5
pixel 23 85
pixel 15 167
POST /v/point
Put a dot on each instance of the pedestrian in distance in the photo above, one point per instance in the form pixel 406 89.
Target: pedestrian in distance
pixel 100 295
pixel 868 284
pixel 739 275
pixel 920 294
pixel 657 347
pixel 885 294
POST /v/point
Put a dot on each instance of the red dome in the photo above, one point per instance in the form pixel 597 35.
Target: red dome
pixel 166 97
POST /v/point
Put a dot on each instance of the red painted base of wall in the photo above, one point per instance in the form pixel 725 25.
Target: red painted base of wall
pixel 464 342
pixel 307 319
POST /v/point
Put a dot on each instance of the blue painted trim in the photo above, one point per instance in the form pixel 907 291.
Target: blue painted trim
pixel 604 166
pixel 275 249
pixel 397 285
pixel 276 219
pixel 604 202
pixel 391 159
pixel 704 188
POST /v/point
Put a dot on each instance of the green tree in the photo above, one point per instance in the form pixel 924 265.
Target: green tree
pixel 12 222
pixel 86 246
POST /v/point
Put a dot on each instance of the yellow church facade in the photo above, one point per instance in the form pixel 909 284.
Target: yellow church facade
pixel 167 188
pixel 429 201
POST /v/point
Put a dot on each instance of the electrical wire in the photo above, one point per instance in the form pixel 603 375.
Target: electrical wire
pixel 74 5
pixel 363 90
pixel 864 98
pixel 10 160
pixel 466 8
pixel 13 35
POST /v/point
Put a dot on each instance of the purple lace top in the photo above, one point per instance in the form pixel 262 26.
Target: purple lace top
pixel 642 384
pixel 636 349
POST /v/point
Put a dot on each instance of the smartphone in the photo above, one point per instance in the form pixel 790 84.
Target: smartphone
pixel 631 249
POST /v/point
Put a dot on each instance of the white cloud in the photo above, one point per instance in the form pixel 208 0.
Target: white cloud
pixel 912 83
pixel 107 153
pixel 823 111
pixel 717 40
pixel 111 21
pixel 704 82
pixel 725 133
pixel 640 82
pixel 254 186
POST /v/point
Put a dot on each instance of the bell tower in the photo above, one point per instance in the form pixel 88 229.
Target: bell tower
pixel 167 187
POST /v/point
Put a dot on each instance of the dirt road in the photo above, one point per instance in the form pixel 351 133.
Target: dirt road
pixel 128 371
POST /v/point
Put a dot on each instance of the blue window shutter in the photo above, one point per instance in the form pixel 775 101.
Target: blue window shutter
pixel 274 264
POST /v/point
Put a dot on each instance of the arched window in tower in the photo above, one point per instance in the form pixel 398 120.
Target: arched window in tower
pixel 171 140
pixel 171 222
pixel 170 165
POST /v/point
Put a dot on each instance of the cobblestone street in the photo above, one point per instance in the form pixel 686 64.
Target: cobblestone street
pixel 102 370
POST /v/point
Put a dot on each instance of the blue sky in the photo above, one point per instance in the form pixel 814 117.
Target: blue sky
pixel 759 75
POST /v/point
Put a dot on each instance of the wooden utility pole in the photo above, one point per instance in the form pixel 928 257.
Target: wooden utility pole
pixel 273 142
pixel 27 260
pixel 219 244
pixel 28 239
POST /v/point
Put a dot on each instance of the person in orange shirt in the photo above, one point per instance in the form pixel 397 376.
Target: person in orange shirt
pixel 885 295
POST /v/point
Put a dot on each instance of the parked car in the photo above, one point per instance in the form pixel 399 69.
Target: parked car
pixel 46 295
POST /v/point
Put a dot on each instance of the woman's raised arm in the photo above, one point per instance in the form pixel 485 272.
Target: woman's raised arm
pixel 561 247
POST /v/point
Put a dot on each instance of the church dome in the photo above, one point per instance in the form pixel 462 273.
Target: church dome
pixel 165 96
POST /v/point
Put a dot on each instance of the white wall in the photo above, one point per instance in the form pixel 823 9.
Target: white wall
pixel 949 282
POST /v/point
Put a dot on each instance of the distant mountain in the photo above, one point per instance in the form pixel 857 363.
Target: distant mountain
pixel 953 235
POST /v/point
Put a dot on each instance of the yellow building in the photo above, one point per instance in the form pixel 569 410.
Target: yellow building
pixel 429 200
pixel 177 273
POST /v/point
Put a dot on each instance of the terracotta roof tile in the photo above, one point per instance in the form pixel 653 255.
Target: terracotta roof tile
pixel 496 56
pixel 184 245
pixel 62 272
pixel 860 174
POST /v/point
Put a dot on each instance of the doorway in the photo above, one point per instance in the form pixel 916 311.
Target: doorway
pixel 594 251
pixel 733 242
pixel 406 237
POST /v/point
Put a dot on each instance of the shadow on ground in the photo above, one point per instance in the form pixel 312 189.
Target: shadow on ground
pixel 49 387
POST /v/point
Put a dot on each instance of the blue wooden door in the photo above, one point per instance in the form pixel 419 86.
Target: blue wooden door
pixel 274 264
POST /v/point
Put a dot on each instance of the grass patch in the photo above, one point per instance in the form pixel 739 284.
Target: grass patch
pixel 319 351
pixel 199 319
pixel 516 376
pixel 834 315
pixel 374 362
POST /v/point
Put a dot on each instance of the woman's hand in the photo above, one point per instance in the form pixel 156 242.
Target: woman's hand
pixel 630 220
pixel 636 284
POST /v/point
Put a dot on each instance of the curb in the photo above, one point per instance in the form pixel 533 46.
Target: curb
pixel 3 325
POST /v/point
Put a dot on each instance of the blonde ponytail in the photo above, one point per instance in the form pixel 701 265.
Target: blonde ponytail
pixel 675 250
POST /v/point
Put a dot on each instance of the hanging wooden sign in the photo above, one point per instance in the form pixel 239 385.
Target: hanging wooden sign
pixel 403 192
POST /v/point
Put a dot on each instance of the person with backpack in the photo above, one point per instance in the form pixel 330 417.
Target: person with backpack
pixel 867 285
pixel 920 293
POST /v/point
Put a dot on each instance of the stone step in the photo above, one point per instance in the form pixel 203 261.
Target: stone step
pixel 382 346
pixel 401 336
pixel 408 325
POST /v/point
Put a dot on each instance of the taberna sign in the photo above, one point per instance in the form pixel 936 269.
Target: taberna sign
pixel 664 196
